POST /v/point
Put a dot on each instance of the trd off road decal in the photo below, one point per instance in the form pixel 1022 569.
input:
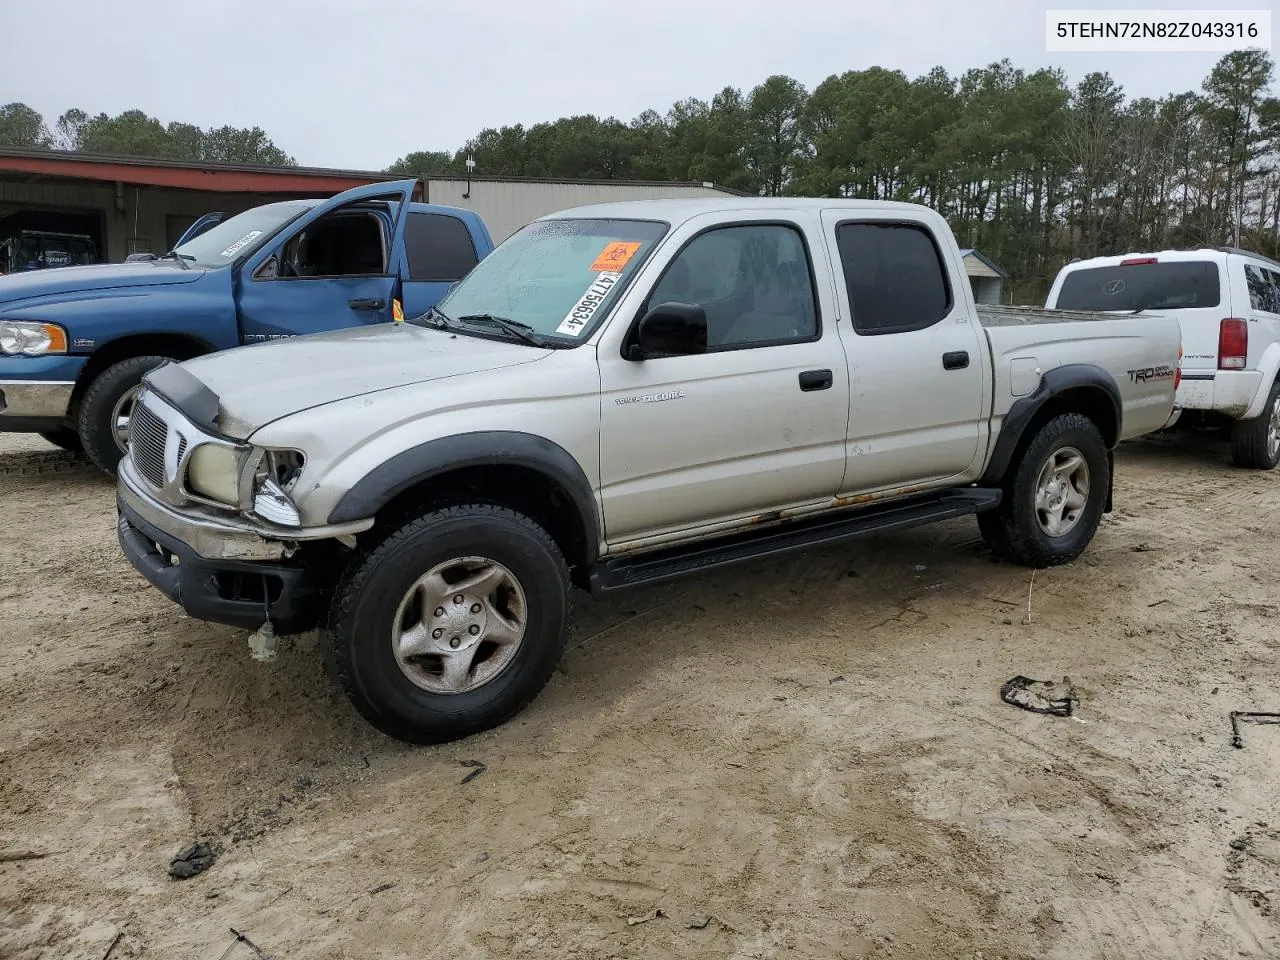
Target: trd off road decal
pixel 1147 374
pixel 577 318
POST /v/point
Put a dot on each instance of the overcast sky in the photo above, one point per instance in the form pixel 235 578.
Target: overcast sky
pixel 357 85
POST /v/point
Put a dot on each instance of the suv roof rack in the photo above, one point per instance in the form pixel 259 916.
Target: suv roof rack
pixel 1249 253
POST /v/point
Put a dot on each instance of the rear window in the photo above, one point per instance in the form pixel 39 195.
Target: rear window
pixel 1182 285
pixel 439 247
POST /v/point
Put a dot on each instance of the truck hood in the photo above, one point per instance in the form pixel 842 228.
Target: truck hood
pixel 60 283
pixel 258 384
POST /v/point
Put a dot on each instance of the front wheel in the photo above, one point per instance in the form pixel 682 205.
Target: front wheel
pixel 1054 503
pixel 1256 443
pixel 452 624
pixel 103 420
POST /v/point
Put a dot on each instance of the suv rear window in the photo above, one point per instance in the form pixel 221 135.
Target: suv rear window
pixel 1182 285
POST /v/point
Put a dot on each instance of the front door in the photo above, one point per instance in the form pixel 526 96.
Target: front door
pixel 918 393
pixel 338 266
pixel 757 423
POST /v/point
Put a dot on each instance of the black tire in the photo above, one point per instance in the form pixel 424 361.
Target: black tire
pixel 369 593
pixel 64 439
pixel 94 423
pixel 1014 531
pixel 1255 443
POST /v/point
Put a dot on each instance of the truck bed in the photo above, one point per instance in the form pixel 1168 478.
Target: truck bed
pixel 1139 351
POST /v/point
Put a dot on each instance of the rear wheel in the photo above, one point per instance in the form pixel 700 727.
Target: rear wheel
pixel 452 625
pixel 1256 443
pixel 103 420
pixel 65 439
pixel 1054 501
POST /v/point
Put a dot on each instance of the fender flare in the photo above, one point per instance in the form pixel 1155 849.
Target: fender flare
pixel 1268 365
pixel 482 448
pixel 1052 383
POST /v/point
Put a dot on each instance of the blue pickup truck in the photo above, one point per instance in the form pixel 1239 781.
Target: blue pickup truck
pixel 75 341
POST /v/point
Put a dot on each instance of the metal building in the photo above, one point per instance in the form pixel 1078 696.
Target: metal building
pixel 506 205
pixel 129 205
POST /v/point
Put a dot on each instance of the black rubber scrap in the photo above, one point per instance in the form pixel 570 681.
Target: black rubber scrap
pixel 1040 696
pixel 196 858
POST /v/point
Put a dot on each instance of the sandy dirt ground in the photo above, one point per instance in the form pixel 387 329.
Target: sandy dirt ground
pixel 805 758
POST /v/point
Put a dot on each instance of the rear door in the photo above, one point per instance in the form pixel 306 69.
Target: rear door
pixel 338 265
pixel 439 251
pixel 918 393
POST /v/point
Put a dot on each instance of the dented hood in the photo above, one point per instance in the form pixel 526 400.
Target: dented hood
pixel 258 384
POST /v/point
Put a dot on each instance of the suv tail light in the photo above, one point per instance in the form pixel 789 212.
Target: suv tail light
pixel 1177 372
pixel 1233 344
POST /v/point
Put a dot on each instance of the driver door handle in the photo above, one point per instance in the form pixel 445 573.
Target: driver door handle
pixel 370 304
pixel 815 380
pixel 955 360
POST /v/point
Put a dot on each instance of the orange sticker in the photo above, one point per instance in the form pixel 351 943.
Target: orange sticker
pixel 615 256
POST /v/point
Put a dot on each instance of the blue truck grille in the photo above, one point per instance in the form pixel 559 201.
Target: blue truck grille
pixel 147 436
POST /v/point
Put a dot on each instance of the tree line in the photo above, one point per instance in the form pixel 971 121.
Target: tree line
pixel 1031 169
pixel 134 134
pixel 1026 167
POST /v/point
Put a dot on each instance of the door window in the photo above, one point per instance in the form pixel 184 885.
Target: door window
pixel 754 283
pixel 439 247
pixel 342 244
pixel 894 275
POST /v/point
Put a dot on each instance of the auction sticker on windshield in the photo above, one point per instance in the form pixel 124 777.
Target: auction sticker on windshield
pixel 240 244
pixel 577 319
pixel 615 256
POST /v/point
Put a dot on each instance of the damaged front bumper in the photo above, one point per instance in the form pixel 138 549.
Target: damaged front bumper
pixel 222 571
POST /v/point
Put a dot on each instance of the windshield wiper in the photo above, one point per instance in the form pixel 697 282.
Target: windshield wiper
pixel 434 318
pixel 181 258
pixel 517 329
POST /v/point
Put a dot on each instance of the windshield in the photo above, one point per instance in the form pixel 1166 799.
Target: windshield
pixel 1176 285
pixel 233 238
pixel 558 277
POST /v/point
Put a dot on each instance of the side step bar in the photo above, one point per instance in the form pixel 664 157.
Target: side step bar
pixel 661 565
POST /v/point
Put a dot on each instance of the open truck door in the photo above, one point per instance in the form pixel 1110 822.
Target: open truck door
pixel 338 265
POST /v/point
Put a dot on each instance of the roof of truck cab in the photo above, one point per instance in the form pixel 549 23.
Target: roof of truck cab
pixel 678 210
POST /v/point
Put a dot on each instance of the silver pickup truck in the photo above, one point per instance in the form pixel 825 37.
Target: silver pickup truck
pixel 620 395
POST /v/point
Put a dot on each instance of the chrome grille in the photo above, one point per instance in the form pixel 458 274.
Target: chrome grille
pixel 147 436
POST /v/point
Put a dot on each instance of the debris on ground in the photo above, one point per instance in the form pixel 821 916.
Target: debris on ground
pixel 381 888
pixel 699 922
pixel 244 938
pixel 1248 717
pixel 14 856
pixel 645 917
pixel 1040 696
pixel 196 858
pixel 479 769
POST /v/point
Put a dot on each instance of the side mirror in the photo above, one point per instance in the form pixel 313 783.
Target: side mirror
pixel 670 329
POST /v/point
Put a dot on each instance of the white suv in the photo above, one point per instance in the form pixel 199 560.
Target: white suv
pixel 1227 303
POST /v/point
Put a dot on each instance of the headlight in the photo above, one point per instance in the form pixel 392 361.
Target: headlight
pixel 214 472
pixel 277 472
pixel 31 339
